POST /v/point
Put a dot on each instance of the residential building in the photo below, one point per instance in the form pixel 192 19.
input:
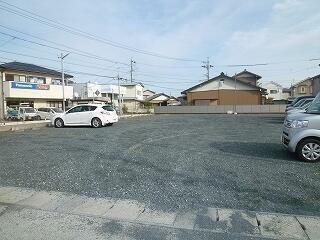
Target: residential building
pixel 148 93
pixel 225 90
pixel 162 99
pixel 276 92
pixel 133 98
pixel 34 85
pixel 308 86
pixel 89 92
pixel 248 77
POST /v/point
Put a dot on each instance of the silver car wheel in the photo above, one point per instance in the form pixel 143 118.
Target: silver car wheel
pixel 311 151
pixel 96 123
pixel 59 123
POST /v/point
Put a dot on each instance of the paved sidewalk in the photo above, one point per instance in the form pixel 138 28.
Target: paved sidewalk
pixel 30 214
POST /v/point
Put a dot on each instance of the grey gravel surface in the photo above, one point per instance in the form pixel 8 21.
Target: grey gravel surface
pixel 168 162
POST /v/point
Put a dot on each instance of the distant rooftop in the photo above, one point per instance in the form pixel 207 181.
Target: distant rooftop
pixel 132 84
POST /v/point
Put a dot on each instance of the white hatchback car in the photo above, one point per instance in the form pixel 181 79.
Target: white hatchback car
pixel 86 115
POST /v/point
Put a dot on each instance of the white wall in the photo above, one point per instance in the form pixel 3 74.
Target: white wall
pixel 276 96
pixel 227 84
pixel 54 92
pixel 85 90
pixel 134 91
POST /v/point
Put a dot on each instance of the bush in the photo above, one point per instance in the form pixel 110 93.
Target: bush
pixel 147 105
pixel 125 109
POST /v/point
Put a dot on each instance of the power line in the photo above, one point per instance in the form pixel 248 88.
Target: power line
pixel 74 50
pixel 100 68
pixel 78 32
pixel 67 62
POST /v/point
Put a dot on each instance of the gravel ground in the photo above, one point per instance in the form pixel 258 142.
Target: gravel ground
pixel 168 162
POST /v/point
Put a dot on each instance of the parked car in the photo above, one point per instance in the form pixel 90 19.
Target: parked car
pixel 113 113
pixel 48 112
pixel 19 113
pixel 86 115
pixel 301 132
pixel 301 109
pixel 300 103
pixel 293 101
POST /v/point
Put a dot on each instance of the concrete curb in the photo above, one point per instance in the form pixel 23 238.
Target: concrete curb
pixel 20 126
pixel 134 115
pixel 258 225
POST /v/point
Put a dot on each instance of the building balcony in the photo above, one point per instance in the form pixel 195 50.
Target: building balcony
pixel 36 91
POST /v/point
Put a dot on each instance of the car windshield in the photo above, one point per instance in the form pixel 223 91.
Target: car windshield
pixel 29 110
pixel 294 101
pixel 305 103
pixel 299 103
pixel 315 105
pixel 57 110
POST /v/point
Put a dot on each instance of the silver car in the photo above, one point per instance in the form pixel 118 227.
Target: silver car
pixel 301 132
pixel 48 112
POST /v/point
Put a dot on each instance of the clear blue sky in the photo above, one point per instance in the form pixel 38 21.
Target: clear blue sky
pixel 285 32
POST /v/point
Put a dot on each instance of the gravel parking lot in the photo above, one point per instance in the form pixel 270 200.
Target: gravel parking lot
pixel 168 162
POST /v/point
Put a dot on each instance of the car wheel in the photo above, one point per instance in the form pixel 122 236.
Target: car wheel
pixel 96 123
pixel 37 118
pixel 58 123
pixel 309 150
pixel 109 124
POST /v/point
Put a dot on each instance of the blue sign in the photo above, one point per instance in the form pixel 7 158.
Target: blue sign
pixel 26 85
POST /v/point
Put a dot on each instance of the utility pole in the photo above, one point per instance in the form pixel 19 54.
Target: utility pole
pixel 131 69
pixel 2 110
pixel 207 66
pixel 235 94
pixel 62 57
pixel 119 98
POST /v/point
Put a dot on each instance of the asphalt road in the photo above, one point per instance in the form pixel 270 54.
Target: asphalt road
pixel 168 162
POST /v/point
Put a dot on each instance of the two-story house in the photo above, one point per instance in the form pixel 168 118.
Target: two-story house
pixel 133 98
pixel 33 85
pixel 240 89
pixel 308 86
pixel 276 92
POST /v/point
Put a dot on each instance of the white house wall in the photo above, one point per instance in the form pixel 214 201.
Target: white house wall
pixel 227 84
pixel 160 98
pixel 134 91
pixel 276 96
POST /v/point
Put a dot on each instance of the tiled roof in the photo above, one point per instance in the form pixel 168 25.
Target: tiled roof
pixel 31 68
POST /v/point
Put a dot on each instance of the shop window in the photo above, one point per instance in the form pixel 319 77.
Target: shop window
pixel 9 77
pixel 22 78
pixel 34 79
pixel 56 81
pixel 54 104
pixel 19 78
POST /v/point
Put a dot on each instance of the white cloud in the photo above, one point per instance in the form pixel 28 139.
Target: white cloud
pixel 286 5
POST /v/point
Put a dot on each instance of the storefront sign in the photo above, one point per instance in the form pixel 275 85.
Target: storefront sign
pixel 26 85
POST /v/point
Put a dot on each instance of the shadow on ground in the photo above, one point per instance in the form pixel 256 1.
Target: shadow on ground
pixel 253 149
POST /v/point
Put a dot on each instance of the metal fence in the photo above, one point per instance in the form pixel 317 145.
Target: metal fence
pixel 220 109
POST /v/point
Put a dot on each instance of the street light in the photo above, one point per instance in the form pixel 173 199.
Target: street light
pixel 62 57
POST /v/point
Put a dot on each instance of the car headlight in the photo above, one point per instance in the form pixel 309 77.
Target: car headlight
pixel 299 123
